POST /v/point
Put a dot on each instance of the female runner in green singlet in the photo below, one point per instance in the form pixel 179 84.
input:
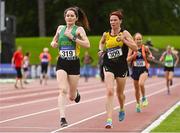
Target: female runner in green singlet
pixel 169 64
pixel 68 39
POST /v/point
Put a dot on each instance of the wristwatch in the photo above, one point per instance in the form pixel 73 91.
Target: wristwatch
pixel 74 38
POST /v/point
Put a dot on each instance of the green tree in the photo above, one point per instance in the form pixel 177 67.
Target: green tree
pixel 146 16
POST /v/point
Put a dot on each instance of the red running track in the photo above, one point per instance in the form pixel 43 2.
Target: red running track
pixel 34 109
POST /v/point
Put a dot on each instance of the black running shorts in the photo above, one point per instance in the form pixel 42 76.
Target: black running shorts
pixel 19 73
pixel 117 66
pixel 137 71
pixel 169 69
pixel 44 68
pixel 72 67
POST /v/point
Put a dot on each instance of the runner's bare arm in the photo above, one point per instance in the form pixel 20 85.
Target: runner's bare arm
pixel 128 40
pixel 54 42
pixel 177 59
pixel 82 38
pixel 12 61
pixel 130 55
pixel 149 53
pixel 162 57
pixel 102 44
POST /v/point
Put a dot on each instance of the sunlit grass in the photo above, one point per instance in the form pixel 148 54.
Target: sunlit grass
pixel 36 45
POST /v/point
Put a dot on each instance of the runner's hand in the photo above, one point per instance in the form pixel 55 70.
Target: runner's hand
pixel 68 34
pixel 175 64
pixel 100 53
pixel 54 44
pixel 151 57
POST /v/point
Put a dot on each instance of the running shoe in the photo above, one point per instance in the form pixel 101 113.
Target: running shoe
pixel 109 124
pixel 138 108
pixel 63 122
pixel 121 115
pixel 144 102
pixel 78 97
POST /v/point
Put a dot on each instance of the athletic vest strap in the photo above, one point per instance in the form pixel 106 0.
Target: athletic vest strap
pixel 144 56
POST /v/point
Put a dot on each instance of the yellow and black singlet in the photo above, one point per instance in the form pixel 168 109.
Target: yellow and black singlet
pixel 114 47
pixel 114 59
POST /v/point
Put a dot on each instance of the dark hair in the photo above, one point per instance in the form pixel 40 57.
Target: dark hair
pixel 80 14
pixel 117 13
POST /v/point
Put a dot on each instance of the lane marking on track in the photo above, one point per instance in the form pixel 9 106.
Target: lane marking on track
pixel 53 109
pixel 24 127
pixel 117 107
pixel 161 118
pixel 43 100
pixel 40 93
pixel 41 88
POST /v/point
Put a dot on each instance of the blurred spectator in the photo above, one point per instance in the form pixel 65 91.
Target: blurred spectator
pixel 17 61
pixel 87 60
pixel 26 67
pixel 45 58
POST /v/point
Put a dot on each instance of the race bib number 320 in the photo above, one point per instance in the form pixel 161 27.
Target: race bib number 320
pixel 114 52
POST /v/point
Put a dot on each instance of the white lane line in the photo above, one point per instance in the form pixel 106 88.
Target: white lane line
pixel 161 118
pixel 42 93
pixel 117 107
pixel 48 99
pixel 27 95
pixel 53 109
pixel 24 127
pixel 26 103
pixel 39 88
pixel 45 111
pixel 43 100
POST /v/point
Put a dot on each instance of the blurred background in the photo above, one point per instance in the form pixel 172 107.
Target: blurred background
pixel 31 24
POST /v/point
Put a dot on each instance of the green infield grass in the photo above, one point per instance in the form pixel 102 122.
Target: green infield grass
pixel 35 46
pixel 171 123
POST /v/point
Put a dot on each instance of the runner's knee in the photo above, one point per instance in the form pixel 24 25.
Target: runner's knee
pixel 121 96
pixel 110 92
pixel 141 84
pixel 63 90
